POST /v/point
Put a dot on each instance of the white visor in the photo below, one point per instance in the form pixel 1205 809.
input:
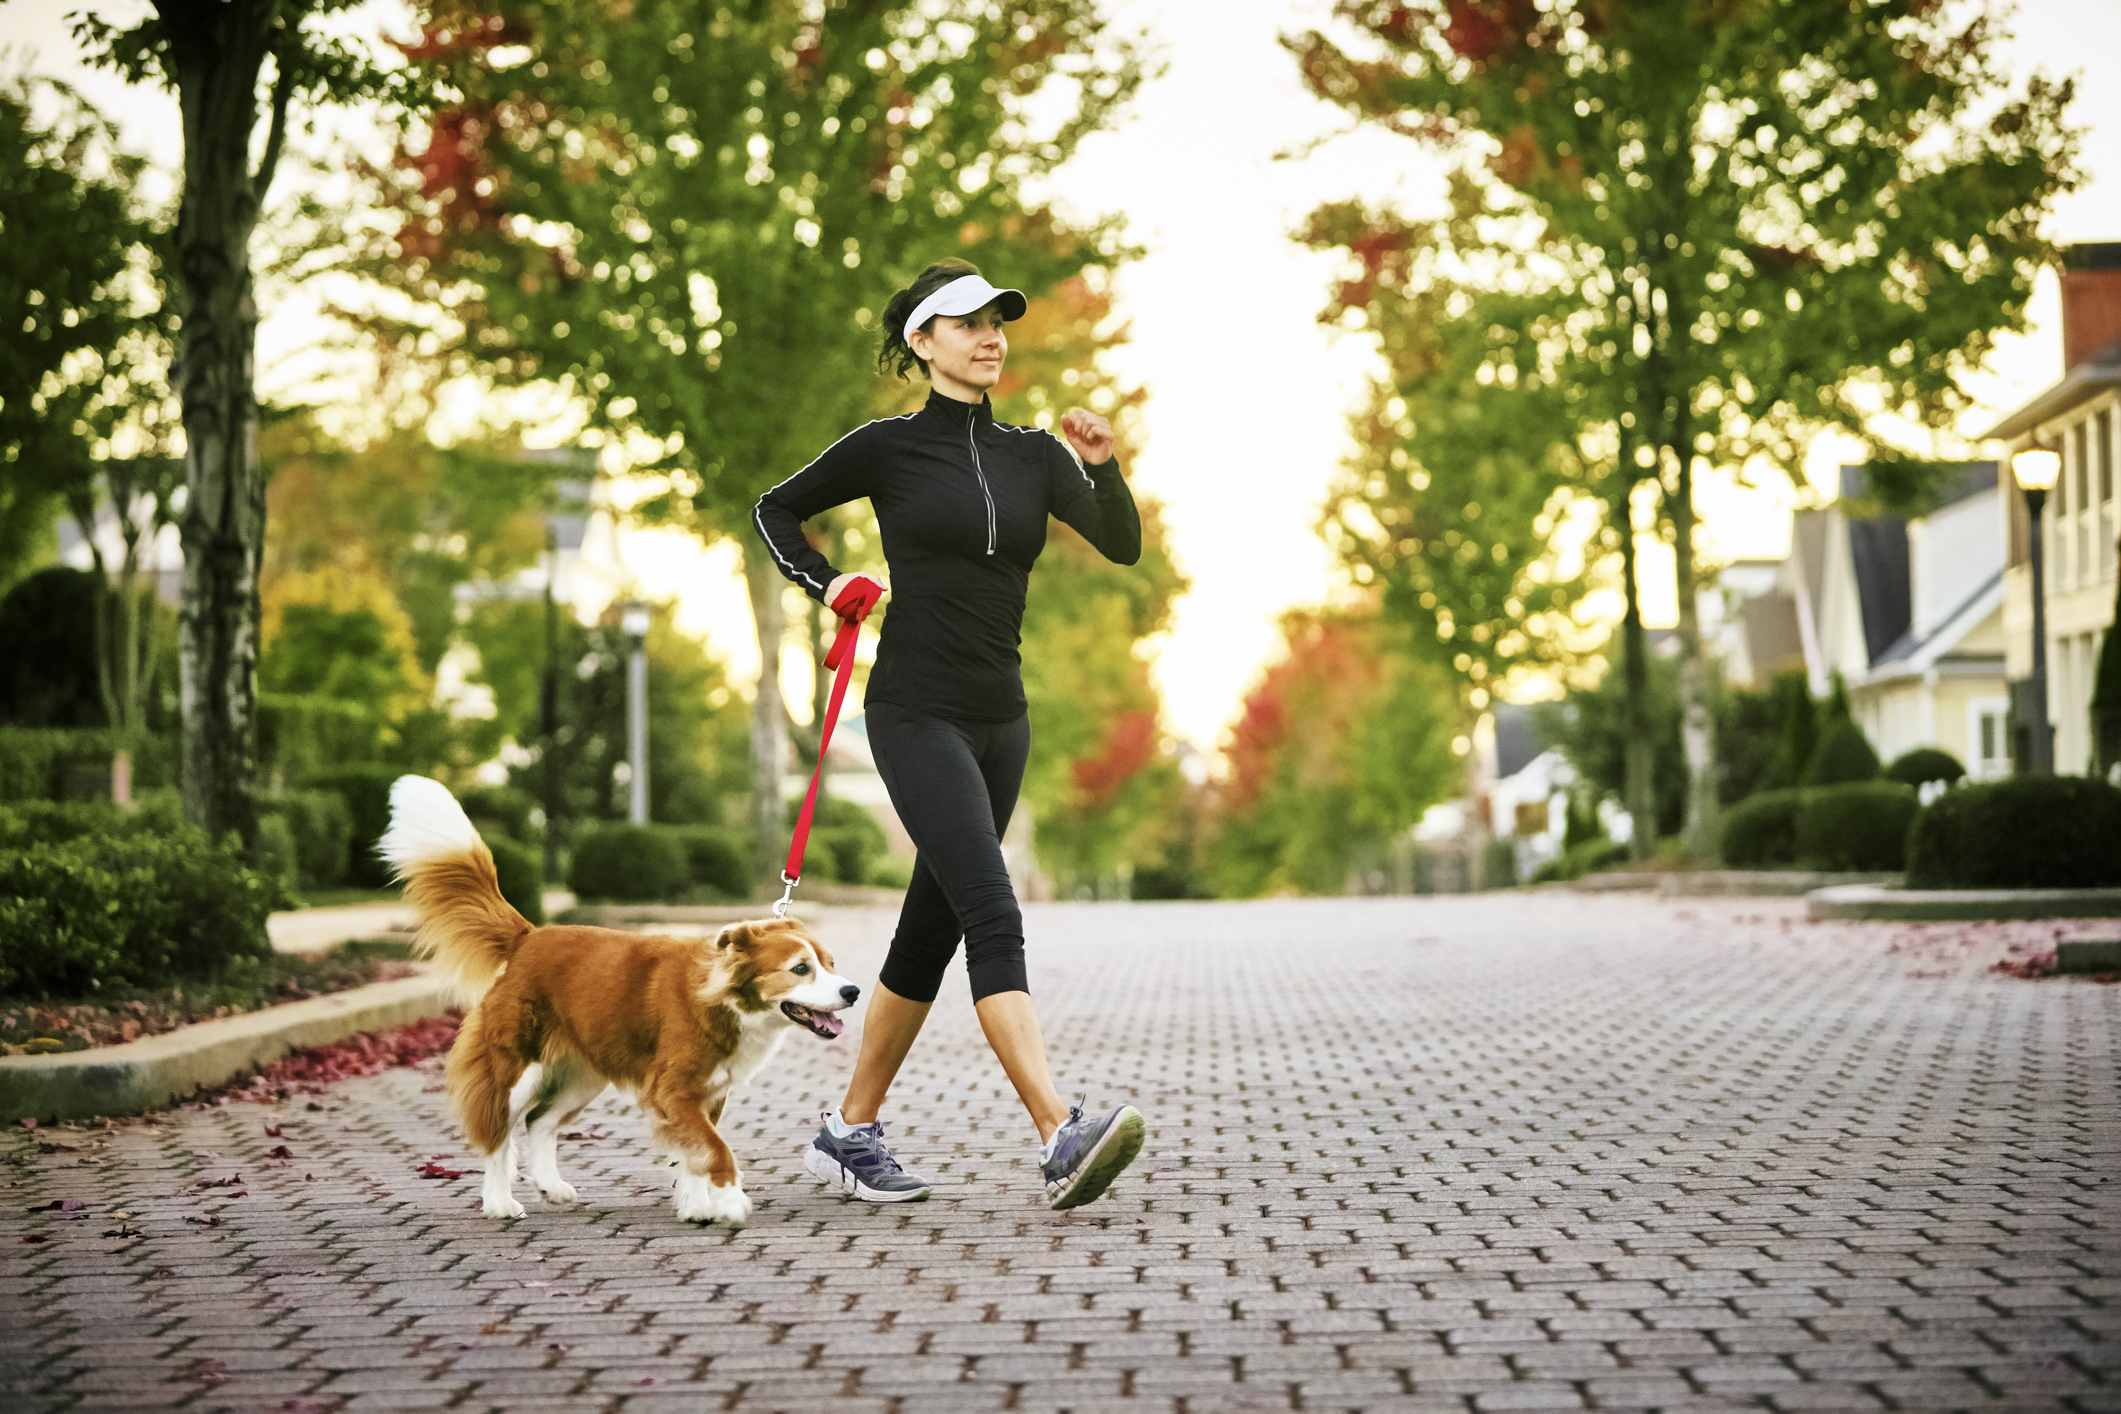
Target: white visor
pixel 964 295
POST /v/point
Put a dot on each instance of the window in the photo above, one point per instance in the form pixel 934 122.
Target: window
pixel 1989 752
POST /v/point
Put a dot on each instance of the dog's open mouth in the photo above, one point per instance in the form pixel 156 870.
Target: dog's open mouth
pixel 825 1023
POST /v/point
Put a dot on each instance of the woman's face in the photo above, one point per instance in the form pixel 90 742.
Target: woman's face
pixel 964 354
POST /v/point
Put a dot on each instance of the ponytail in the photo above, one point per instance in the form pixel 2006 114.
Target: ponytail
pixel 896 355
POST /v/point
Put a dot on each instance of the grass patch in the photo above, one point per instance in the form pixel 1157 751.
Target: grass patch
pixel 333 898
pixel 127 1014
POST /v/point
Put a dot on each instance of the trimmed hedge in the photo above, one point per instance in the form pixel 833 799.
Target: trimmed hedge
pixel 1925 764
pixel 74 764
pixel 628 864
pixel 302 735
pixel 521 871
pixel 1588 857
pixel 1843 755
pixel 1861 826
pixel 2027 832
pixel 845 840
pixel 502 808
pixel 365 787
pixel 1760 832
pixel 141 909
pixel 715 858
pixel 320 829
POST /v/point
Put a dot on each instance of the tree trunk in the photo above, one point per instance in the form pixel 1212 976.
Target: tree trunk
pixel 1638 792
pixel 1696 727
pixel 769 716
pixel 216 54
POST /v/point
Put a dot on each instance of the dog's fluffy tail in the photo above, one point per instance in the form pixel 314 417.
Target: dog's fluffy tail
pixel 465 925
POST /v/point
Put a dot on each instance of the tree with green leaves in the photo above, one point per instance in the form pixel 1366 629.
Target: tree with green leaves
pixel 1714 229
pixel 687 218
pixel 85 422
pixel 229 63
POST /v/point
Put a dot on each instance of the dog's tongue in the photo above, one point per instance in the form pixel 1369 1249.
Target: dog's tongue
pixel 827 1022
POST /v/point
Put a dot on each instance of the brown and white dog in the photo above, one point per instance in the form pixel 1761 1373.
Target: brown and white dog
pixel 560 1012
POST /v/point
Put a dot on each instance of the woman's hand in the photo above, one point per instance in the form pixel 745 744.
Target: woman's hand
pixel 837 590
pixel 1089 434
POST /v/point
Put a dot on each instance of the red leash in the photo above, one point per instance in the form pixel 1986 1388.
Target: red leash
pixel 853 606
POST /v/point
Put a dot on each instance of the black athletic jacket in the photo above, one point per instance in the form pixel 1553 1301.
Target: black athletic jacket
pixel 962 501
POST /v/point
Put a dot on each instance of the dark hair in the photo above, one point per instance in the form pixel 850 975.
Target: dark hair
pixel 896 356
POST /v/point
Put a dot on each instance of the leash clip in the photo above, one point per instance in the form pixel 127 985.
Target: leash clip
pixel 780 909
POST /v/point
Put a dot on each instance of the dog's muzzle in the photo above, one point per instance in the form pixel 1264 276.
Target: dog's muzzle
pixel 824 1023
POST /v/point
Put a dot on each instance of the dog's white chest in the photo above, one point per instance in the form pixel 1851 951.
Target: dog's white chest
pixel 757 1039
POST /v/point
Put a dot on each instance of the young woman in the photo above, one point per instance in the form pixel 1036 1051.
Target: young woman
pixel 962 502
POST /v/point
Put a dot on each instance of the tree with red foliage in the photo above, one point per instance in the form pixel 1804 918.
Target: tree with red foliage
pixel 1342 744
pixel 1680 231
pixel 686 217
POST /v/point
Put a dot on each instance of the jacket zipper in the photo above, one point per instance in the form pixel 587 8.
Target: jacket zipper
pixel 971 425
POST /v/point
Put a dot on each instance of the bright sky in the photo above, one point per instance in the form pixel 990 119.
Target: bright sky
pixel 1249 395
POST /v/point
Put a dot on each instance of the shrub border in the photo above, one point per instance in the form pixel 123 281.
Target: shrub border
pixel 1870 902
pixel 155 1071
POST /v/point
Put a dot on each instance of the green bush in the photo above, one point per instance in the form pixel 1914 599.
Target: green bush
pixel 844 840
pixel 1589 856
pixel 1924 764
pixel 274 855
pixel 365 787
pixel 715 858
pixel 1498 865
pixel 890 871
pixel 141 909
pixel 322 830
pixel 74 764
pixel 521 870
pixel 2027 832
pixel 1760 832
pixel 1843 755
pixel 502 808
pixel 628 864
pixel 302 735
pixel 27 823
pixel 1859 826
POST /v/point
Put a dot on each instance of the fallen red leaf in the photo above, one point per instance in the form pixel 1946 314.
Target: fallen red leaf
pixel 279 1151
pixel 35 1237
pixel 272 1131
pixel 306 1070
pixel 431 1169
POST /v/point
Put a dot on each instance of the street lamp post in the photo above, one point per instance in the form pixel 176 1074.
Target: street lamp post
pixel 2035 471
pixel 633 618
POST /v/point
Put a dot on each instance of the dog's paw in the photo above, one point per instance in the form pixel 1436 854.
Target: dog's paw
pixel 503 1207
pixel 700 1201
pixel 558 1191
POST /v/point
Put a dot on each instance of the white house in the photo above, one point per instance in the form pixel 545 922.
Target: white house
pixel 2079 417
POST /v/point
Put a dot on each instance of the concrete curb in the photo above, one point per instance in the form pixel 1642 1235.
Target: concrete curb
pixel 148 1074
pixel 1720 883
pixel 1869 902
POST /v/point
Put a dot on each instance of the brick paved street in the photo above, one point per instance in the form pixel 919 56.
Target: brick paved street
pixel 1511 1152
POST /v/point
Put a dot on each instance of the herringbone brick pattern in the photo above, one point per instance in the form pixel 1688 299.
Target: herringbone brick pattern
pixel 1509 1152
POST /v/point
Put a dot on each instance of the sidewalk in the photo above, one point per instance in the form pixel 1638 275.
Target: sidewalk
pixel 315 929
pixel 1502 1151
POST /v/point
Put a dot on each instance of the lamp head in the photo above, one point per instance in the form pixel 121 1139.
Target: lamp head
pixel 2036 469
pixel 633 618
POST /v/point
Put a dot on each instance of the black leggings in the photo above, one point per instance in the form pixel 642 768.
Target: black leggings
pixel 954 785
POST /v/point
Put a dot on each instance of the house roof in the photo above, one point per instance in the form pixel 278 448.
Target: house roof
pixel 1909 654
pixel 1517 741
pixel 2087 380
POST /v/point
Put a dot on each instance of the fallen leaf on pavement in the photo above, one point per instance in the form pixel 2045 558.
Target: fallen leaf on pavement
pixel 60 1205
pixel 272 1131
pixel 35 1237
pixel 431 1169
pixel 279 1151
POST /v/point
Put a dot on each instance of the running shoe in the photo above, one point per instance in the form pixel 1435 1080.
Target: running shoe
pixel 1087 1154
pixel 860 1165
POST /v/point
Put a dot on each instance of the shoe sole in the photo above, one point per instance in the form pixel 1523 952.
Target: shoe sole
pixel 821 1165
pixel 1114 1151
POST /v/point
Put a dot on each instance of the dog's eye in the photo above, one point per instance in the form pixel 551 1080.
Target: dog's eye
pixel 801 969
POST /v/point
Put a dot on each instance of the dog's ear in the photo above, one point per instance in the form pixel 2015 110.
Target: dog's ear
pixel 735 935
